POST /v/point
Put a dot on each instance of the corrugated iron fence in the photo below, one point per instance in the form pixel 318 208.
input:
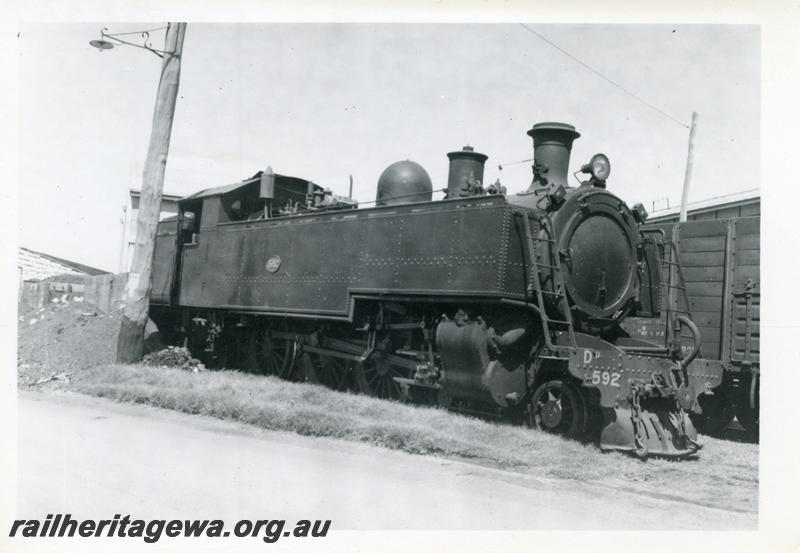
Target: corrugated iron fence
pixel 106 292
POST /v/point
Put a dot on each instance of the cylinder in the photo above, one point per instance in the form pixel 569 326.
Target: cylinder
pixel 552 145
pixel 466 171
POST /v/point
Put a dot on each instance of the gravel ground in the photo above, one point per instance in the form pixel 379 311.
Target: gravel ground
pixel 66 336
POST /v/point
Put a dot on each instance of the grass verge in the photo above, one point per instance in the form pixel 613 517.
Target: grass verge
pixel 725 476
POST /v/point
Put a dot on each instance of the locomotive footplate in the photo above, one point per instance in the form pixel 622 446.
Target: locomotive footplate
pixel 645 399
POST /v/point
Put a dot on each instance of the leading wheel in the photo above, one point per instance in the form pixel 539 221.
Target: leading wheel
pixel 558 407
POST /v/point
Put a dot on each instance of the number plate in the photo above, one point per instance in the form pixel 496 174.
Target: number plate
pixel 606 378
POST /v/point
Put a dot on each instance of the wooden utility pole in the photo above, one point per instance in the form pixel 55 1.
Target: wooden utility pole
pixel 130 345
pixel 687 179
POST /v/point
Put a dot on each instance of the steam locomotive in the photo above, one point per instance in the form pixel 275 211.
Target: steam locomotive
pixel 506 304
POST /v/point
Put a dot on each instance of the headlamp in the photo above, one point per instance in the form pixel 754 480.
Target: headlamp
pixel 599 167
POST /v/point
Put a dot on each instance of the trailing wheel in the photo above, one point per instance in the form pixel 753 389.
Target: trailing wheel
pixel 270 356
pixel 230 352
pixel 558 407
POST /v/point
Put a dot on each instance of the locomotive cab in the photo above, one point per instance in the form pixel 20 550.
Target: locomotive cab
pixel 246 201
pixel 181 237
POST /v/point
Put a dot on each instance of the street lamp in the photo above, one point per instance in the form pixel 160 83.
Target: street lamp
pixel 114 39
pixel 130 344
pixel 101 44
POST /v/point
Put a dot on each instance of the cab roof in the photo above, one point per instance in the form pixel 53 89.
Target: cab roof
pixel 292 182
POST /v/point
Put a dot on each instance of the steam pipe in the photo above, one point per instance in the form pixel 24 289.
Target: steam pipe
pixel 683 319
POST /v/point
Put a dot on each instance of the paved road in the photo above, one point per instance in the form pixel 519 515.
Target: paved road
pixel 92 457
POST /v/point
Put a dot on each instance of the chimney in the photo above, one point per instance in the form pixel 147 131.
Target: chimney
pixel 552 144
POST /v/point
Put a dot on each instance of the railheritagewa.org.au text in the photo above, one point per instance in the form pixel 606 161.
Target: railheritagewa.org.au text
pixel 64 526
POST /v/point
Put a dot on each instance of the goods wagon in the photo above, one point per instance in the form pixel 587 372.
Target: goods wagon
pixel 717 284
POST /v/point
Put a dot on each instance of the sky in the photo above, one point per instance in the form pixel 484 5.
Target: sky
pixel 325 101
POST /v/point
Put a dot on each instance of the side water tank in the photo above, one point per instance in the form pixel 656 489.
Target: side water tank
pixel 404 182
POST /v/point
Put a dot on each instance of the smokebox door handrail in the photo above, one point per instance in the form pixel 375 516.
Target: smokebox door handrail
pixel 534 284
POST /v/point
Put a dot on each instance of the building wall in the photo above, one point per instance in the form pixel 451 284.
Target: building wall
pixel 744 208
pixel 169 207
pixel 106 292
pixel 34 267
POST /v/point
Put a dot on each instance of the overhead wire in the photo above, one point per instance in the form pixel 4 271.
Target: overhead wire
pixel 607 79
pixel 509 164
pixel 139 32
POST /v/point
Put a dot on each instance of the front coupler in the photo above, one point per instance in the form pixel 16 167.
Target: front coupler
pixel 645 397
pixel 664 431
